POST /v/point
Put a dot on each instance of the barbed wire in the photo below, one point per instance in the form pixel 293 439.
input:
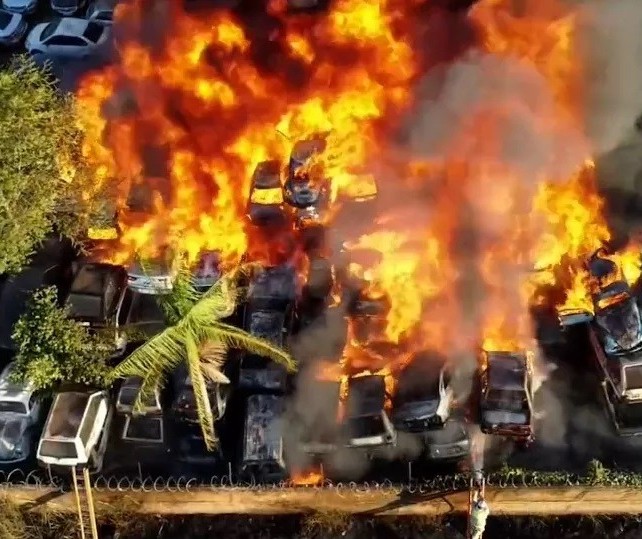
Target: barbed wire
pixel 506 478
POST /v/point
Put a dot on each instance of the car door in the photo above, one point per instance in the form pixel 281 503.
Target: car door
pixel 67 46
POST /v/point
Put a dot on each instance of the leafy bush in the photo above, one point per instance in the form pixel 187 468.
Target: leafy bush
pixel 54 350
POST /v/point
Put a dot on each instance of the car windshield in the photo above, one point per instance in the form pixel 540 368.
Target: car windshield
pixel 506 399
pixel 93 32
pixel 50 29
pixel 5 19
pixel 57 449
pixel 633 377
pixel 13 407
pixel 85 306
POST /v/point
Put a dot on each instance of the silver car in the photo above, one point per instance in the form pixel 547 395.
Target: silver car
pixel 68 37
pixel 13 27
pixel 102 11
pixel 20 6
pixel 67 7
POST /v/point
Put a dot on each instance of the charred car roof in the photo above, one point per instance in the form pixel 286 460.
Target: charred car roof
pixel 506 370
pixel 274 283
pixel 366 395
pixel 263 434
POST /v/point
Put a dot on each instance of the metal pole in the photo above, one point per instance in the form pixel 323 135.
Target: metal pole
pixel 78 506
pixel 90 503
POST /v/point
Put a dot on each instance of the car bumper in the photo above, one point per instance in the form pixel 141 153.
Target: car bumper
pixel 446 452
pixel 506 430
pixel 16 37
pixel 66 11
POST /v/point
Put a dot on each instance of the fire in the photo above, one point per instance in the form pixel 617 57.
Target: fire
pixel 200 103
pixel 307 479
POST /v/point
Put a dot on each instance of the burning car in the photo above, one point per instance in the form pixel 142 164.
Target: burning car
pixel 506 396
pixel 262 452
pixel 423 397
pixel 366 422
pixel 615 335
pixel 306 189
pixel 266 204
pixel 269 313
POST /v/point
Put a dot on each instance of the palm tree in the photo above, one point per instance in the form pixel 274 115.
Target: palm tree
pixel 199 337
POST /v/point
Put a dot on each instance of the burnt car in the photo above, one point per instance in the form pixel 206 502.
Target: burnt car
pixel 265 205
pixel 506 394
pixel 366 420
pixel 319 424
pixel 184 401
pixel 192 451
pixel 262 456
pixel 451 443
pixel 424 397
pixel 269 313
pixel 96 299
pixel 615 335
pixel 306 188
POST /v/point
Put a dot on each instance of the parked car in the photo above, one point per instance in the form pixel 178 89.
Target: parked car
pixel 154 276
pixel 13 27
pixel 21 411
pixel 20 6
pixel 265 204
pixel 506 394
pixel 269 313
pixel 184 402
pixel 450 443
pixel 97 299
pixel 76 431
pixel 69 36
pixel 191 448
pixel 320 422
pixel 67 8
pixel 306 189
pixel 128 393
pixel 423 397
pixel 367 422
pixel 102 11
pixel 262 455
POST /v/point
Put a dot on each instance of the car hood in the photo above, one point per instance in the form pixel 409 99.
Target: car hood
pixel 416 410
pixel 12 430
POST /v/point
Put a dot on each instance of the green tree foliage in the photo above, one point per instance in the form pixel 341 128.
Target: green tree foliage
pixel 42 176
pixel 53 350
pixel 200 338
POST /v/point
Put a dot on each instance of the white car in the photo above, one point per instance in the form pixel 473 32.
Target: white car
pixel 67 7
pixel 20 6
pixel 20 411
pixel 13 27
pixel 69 36
pixel 102 11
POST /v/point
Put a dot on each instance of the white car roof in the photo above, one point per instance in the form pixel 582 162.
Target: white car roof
pixel 71 26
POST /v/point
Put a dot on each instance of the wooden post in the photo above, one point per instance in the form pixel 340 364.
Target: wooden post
pixel 78 506
pixel 90 503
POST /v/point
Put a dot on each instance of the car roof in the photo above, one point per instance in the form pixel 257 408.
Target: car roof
pixel 366 395
pixel 91 277
pixel 66 414
pixel 10 390
pixel 71 26
pixel 506 370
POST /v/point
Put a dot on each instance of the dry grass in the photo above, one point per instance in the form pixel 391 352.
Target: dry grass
pixel 325 523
